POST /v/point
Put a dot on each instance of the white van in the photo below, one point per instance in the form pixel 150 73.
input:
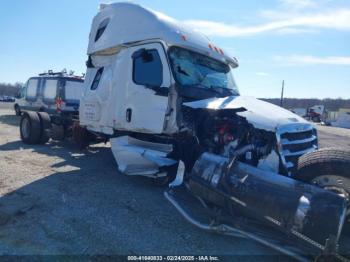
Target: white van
pixel 50 92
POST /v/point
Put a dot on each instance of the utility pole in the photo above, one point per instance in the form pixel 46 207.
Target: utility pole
pixel 282 93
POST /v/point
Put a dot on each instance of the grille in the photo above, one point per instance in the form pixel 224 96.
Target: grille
pixel 298 147
pixel 295 141
pixel 297 136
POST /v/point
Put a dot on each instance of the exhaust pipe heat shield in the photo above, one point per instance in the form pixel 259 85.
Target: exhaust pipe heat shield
pixel 298 209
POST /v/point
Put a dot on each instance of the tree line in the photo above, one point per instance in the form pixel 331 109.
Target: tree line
pixel 7 89
pixel 289 103
pixel 329 103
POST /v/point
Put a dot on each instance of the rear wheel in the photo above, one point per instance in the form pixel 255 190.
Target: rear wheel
pixel 45 125
pixel 81 136
pixel 58 132
pixel 329 169
pixel 30 128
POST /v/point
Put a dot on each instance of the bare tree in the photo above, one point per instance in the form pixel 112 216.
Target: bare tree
pixel 7 89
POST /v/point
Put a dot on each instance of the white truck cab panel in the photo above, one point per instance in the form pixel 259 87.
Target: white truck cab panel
pixel 118 91
pixel 148 67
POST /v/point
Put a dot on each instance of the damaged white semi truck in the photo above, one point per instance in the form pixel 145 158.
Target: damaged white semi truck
pixel 165 97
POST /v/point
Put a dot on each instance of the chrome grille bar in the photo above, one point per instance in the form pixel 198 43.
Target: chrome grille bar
pixel 294 141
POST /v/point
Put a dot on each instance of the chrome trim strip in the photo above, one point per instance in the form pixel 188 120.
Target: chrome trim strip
pixel 288 153
pixel 295 128
pixel 294 142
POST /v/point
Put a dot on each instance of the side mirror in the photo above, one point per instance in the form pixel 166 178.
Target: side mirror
pixel 159 90
pixel 144 54
pixel 147 57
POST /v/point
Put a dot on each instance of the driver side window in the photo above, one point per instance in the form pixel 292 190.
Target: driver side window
pixel 147 68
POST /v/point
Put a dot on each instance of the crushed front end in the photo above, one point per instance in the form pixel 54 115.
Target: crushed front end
pixel 239 169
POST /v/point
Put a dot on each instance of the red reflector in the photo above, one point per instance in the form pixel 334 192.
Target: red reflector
pixel 58 104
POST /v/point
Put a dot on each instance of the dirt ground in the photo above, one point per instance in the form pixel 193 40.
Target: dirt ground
pixel 55 199
pixel 334 136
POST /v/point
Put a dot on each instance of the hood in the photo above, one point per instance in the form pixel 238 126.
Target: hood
pixel 260 114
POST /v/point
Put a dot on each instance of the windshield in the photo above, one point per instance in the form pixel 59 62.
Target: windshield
pixel 194 69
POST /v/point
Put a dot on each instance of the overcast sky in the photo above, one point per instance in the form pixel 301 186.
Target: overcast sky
pixel 304 42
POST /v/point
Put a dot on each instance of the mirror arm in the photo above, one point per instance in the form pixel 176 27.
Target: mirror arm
pixel 159 90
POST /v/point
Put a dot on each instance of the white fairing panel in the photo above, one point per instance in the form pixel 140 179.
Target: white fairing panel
pixel 130 23
pixel 136 157
pixel 97 106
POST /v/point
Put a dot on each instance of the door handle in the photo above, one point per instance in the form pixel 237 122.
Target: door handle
pixel 128 115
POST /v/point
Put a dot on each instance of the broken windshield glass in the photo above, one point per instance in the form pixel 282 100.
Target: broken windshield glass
pixel 194 69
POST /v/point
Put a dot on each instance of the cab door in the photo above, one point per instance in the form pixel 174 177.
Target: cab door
pixel 147 88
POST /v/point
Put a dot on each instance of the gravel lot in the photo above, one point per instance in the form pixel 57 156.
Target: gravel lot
pixel 55 199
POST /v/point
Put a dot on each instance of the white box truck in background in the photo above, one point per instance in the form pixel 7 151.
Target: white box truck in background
pixel 165 97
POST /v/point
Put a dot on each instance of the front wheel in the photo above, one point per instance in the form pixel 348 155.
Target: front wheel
pixel 328 168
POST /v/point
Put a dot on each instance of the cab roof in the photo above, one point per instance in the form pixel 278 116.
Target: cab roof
pixel 120 24
pixel 61 74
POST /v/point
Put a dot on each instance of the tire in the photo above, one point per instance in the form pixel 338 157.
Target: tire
pixel 45 125
pixel 17 110
pixel 328 168
pixel 316 119
pixel 30 128
pixel 58 132
pixel 81 136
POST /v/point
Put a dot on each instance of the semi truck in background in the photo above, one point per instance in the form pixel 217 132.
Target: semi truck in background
pixel 51 93
pixel 166 99
pixel 40 93
pixel 316 113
